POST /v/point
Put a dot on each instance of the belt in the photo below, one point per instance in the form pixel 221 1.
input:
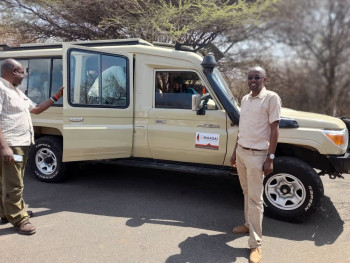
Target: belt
pixel 251 149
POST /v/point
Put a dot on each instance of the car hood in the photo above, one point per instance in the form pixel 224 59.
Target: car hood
pixel 313 120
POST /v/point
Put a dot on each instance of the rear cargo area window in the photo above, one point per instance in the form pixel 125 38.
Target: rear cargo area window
pixel 43 79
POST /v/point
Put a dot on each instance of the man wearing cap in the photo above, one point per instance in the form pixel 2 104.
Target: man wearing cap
pixel 16 135
pixel 254 153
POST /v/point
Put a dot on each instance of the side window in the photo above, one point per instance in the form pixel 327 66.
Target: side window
pixel 98 79
pixel 43 78
pixel 174 89
pixel 39 79
pixel 56 78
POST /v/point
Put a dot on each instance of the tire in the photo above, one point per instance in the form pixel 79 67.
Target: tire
pixel 293 191
pixel 45 159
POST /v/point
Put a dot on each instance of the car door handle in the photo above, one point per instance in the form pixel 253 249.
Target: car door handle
pixel 161 121
pixel 76 119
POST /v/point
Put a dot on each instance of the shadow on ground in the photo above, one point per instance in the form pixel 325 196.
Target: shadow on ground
pixel 158 197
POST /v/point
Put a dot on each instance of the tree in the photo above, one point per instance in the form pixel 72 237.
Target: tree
pixel 318 30
pixel 64 20
pixel 196 22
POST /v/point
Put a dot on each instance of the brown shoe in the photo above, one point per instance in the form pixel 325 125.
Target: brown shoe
pixel 255 255
pixel 243 229
pixel 26 228
pixel 4 220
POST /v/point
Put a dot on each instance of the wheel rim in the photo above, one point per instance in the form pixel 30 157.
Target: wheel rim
pixel 285 191
pixel 46 161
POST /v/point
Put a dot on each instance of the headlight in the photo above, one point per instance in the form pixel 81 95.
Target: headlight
pixel 339 138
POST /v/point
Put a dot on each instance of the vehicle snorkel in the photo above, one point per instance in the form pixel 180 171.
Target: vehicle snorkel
pixel 213 75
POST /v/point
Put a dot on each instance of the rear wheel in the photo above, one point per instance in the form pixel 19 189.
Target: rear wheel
pixel 293 191
pixel 45 159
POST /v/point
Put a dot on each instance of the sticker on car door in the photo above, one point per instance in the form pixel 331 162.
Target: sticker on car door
pixel 207 140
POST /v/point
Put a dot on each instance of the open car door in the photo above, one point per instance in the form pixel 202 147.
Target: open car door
pixel 97 103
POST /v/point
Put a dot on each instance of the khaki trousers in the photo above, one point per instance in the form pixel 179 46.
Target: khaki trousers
pixel 251 175
pixel 12 205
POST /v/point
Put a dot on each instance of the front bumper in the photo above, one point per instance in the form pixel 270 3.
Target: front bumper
pixel 341 163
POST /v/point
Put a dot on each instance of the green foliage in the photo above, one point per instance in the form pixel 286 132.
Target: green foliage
pixel 189 21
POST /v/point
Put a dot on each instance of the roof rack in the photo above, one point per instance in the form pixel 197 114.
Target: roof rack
pixel 113 42
pixel 203 49
pixel 4 47
pixel 176 46
pixel 210 49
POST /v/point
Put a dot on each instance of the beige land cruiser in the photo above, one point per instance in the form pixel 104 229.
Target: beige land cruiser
pixel 137 103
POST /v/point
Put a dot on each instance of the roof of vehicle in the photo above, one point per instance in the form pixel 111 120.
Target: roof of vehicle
pixel 92 43
pixel 116 42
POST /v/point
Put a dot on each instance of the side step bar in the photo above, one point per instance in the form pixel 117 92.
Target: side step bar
pixel 177 167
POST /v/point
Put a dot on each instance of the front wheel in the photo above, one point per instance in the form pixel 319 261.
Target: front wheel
pixel 293 191
pixel 45 159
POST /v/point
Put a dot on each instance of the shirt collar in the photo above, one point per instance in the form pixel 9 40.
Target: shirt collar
pixel 7 84
pixel 261 95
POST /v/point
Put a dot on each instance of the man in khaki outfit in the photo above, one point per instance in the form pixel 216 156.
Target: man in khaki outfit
pixel 16 135
pixel 254 153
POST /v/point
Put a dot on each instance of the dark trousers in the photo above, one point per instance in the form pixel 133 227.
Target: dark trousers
pixel 12 205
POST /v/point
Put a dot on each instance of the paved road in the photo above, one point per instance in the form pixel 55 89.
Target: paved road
pixel 118 214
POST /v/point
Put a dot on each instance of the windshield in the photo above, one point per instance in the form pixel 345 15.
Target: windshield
pixel 223 86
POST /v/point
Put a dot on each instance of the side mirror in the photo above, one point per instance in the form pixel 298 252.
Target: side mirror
pixel 196 102
pixel 199 103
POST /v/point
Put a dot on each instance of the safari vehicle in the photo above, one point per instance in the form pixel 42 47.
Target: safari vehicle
pixel 141 104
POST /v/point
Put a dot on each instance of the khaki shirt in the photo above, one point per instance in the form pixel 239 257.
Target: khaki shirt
pixel 257 113
pixel 15 121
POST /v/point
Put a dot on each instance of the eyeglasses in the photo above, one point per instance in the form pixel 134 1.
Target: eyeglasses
pixel 255 77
